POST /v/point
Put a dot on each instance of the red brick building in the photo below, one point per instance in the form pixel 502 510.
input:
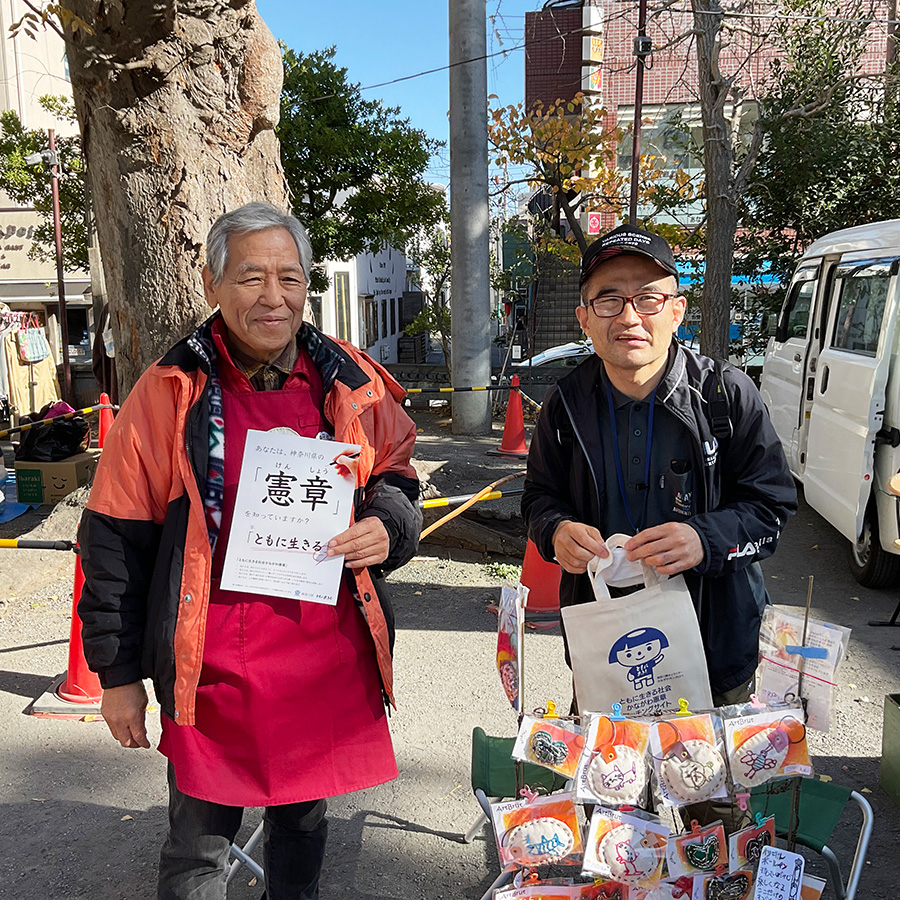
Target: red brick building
pixel 587 46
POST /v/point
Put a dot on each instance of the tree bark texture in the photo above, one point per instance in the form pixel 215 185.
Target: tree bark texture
pixel 177 103
pixel 719 165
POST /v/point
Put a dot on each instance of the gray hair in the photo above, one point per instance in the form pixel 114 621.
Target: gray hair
pixel 256 216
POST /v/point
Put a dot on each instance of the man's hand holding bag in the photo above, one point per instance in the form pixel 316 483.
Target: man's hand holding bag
pixel 642 650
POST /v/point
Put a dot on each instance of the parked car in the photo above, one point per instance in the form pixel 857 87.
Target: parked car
pixel 831 381
pixel 570 354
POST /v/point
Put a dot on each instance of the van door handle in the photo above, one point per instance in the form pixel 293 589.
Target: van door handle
pixel 824 383
pixel 798 357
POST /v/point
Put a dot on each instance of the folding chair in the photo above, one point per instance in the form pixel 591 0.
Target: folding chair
pixel 242 858
pixel 494 778
pixel 821 804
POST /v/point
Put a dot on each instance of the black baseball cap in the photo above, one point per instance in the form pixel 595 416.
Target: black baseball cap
pixel 628 239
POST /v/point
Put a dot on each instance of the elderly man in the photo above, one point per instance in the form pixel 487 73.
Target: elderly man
pixel 650 439
pixel 265 701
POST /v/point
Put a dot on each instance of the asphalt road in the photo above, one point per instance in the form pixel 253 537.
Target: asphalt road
pixel 81 818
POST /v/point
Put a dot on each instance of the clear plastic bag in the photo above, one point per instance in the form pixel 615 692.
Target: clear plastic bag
pixel 538 831
pixel 613 769
pixel 763 744
pixel 688 761
pixel 555 744
pixel 625 848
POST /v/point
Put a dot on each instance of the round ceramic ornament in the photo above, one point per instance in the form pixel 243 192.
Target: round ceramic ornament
pixel 696 778
pixel 759 758
pixel 620 780
pixel 632 855
pixel 539 841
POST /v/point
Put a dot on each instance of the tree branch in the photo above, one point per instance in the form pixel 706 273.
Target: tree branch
pixel 46 20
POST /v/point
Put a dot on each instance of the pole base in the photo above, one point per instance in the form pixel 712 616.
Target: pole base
pixel 51 706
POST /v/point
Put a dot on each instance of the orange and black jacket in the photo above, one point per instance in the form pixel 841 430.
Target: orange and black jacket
pixel 144 541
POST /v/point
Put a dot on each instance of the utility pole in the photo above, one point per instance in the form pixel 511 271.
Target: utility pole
pixel 890 68
pixel 60 278
pixel 643 47
pixel 469 217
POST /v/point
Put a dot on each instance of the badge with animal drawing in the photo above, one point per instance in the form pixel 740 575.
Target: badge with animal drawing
pixel 625 848
pixel 632 856
pixel 688 765
pixel 539 841
pixel 701 851
pixel 764 745
pixel 537 830
pixel 613 770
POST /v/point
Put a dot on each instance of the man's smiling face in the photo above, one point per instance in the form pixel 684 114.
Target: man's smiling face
pixel 630 342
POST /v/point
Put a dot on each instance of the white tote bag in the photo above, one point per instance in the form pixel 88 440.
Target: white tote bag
pixel 643 650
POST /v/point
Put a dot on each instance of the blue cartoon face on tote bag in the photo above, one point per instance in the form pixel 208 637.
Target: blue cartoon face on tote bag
pixel 639 651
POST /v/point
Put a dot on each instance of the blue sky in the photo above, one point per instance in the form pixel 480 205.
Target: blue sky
pixel 378 42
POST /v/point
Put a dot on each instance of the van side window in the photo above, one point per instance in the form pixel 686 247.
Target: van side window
pixel 794 320
pixel 863 296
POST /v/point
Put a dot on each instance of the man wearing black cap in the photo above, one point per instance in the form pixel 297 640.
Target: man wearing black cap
pixel 650 439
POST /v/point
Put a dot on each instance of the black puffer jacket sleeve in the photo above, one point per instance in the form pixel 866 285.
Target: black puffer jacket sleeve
pixel 117 556
pixel 393 499
pixel 757 490
pixel 546 500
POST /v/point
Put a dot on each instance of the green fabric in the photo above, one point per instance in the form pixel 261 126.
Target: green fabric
pixel 494 769
pixel 821 805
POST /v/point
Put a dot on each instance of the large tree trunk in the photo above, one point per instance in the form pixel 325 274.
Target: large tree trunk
pixel 177 104
pixel 718 162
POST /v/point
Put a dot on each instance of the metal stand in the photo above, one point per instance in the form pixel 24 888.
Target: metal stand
pixel 888 623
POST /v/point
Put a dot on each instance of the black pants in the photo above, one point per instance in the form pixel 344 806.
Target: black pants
pixel 194 861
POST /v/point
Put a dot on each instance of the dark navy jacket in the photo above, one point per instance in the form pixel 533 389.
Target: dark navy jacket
pixel 744 495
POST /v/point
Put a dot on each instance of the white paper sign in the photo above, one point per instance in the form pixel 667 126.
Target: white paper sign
pixel 294 495
pixel 779 876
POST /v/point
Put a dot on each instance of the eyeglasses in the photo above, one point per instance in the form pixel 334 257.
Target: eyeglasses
pixel 647 303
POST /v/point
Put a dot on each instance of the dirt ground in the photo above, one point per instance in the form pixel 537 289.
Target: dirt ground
pixel 82 818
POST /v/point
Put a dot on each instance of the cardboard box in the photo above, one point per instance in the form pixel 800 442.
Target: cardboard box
pixel 50 482
pixel 890 748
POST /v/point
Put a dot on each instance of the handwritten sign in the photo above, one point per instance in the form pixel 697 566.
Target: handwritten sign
pixel 780 875
pixel 294 495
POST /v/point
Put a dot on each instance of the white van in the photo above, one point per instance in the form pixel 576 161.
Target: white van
pixel 831 382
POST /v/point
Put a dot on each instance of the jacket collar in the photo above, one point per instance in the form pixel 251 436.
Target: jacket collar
pixel 197 350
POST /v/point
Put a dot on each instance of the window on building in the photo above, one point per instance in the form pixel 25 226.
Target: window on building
pixel 79 333
pixel 370 311
pixel 342 304
pixel 863 295
pixel 315 307
pixel 393 315
pixel 384 317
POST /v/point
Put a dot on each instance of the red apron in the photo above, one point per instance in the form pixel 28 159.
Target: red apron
pixel 289 703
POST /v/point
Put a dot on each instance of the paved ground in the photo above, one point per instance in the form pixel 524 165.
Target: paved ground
pixel 81 818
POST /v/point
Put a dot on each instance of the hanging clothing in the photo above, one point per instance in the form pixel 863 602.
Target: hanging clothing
pixel 19 374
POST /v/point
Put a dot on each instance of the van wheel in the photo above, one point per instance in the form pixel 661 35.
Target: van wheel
pixel 870 564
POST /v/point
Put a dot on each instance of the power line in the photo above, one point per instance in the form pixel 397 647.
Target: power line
pixel 611 18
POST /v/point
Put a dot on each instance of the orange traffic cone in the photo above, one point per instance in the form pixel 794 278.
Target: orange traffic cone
pixel 81 684
pixel 106 420
pixel 513 443
pixel 542 580
pixel 76 693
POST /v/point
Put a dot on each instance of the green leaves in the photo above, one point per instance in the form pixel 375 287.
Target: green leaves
pixel 31 185
pixel 355 168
